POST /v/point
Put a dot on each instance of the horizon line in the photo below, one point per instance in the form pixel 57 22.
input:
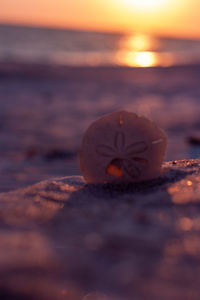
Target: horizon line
pixel 96 30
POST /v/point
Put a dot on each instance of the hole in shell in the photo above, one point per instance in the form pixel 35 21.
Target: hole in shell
pixel 115 168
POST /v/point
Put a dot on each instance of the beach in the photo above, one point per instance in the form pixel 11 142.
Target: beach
pixel 45 110
pixel 60 237
pixel 69 240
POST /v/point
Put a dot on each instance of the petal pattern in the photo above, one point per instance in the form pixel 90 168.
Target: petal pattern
pixel 124 160
pixel 119 141
pixel 135 148
pixel 104 150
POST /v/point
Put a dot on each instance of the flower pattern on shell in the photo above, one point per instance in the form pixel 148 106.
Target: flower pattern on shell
pixel 126 156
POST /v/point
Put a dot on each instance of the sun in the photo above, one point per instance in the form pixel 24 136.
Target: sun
pixel 146 5
pixel 139 59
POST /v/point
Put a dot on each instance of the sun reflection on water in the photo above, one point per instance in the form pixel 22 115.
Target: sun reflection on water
pixel 141 51
pixel 141 59
pixel 138 42
pixel 137 50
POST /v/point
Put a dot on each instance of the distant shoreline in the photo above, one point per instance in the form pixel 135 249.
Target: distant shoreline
pixel 96 30
pixel 51 27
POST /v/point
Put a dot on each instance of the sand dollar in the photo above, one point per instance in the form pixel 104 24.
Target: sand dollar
pixel 122 147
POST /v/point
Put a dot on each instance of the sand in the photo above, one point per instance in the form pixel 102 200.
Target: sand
pixel 63 239
pixel 44 111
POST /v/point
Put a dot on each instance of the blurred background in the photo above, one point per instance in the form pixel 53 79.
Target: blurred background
pixel 65 63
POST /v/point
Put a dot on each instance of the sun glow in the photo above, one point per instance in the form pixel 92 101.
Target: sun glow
pixel 145 59
pixel 138 59
pixel 146 5
pixel 142 59
pixel 140 50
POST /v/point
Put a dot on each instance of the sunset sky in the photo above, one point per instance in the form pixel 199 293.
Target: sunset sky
pixel 168 17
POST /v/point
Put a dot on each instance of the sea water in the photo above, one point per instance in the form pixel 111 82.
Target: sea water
pixel 75 47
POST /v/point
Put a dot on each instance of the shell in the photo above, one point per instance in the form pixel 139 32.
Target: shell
pixel 122 147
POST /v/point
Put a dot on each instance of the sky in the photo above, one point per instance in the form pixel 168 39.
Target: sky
pixel 178 18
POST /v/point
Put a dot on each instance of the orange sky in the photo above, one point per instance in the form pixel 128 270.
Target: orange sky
pixel 168 17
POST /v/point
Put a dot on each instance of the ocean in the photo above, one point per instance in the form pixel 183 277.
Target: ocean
pixel 82 48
